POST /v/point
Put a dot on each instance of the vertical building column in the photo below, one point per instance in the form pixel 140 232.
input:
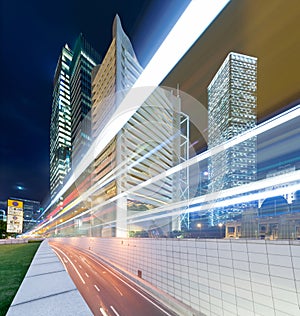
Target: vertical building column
pixel 121 217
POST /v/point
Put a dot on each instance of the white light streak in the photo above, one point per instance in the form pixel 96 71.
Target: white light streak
pixel 242 194
pixel 258 185
pixel 193 22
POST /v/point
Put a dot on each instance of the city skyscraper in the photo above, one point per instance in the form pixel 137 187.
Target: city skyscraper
pixel 232 110
pixel 116 74
pixel 70 131
pixel 147 145
pixel 60 128
pixel 85 58
pixel 111 80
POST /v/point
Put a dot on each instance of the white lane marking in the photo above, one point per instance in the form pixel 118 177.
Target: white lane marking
pixel 86 275
pixel 61 259
pixel 103 311
pixel 71 264
pixel 84 260
pixel 114 311
pixel 87 264
pixel 117 289
pixel 96 287
pixel 141 294
pixel 65 260
pixel 80 266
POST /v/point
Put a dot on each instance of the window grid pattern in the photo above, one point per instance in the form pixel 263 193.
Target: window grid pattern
pixel 231 111
pixel 60 128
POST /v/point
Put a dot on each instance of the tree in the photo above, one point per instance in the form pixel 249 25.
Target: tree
pixel 3 233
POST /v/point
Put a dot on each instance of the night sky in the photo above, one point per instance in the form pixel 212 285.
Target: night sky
pixel 32 35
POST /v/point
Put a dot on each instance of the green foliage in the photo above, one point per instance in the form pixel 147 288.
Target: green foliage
pixel 3 233
pixel 15 260
pixel 138 234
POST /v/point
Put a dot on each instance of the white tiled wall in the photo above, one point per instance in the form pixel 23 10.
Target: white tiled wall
pixel 215 277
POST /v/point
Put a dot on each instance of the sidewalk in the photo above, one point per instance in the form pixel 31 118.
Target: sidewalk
pixel 47 289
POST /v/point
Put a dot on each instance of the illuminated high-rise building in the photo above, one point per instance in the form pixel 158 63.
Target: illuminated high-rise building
pixel 146 146
pixel 231 111
pixel 70 132
pixel 116 74
pixel 60 128
pixel 85 58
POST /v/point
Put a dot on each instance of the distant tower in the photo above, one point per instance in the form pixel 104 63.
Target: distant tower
pixel 231 111
pixel 60 128
pixel 85 58
pixel 70 131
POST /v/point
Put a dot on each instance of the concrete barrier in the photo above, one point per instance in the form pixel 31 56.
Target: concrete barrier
pixel 212 277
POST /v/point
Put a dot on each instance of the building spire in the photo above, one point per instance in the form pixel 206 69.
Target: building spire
pixel 116 25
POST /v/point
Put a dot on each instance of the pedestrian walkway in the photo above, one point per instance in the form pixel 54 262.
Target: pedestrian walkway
pixel 47 289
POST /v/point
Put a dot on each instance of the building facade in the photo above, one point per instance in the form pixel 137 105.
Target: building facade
pixel 231 111
pixel 60 128
pixel 70 131
pixel 85 58
pixel 147 145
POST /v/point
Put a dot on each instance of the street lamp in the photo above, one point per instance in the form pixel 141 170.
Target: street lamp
pixel 199 225
pixel 220 227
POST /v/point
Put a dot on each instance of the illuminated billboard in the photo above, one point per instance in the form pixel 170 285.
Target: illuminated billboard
pixel 14 216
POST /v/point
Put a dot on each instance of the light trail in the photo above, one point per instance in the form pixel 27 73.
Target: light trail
pixel 270 124
pixel 190 25
pixel 258 185
pixel 266 126
pixel 228 197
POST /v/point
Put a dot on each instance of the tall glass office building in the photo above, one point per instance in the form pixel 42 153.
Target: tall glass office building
pixel 70 134
pixel 231 111
pixel 60 128
pixel 85 58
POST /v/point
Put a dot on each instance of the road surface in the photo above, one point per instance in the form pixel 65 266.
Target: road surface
pixel 106 292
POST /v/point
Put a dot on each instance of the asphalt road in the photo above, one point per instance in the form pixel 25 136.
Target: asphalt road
pixel 106 292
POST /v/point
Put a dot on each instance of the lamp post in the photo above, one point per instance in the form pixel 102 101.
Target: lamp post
pixel 220 229
pixel 199 225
